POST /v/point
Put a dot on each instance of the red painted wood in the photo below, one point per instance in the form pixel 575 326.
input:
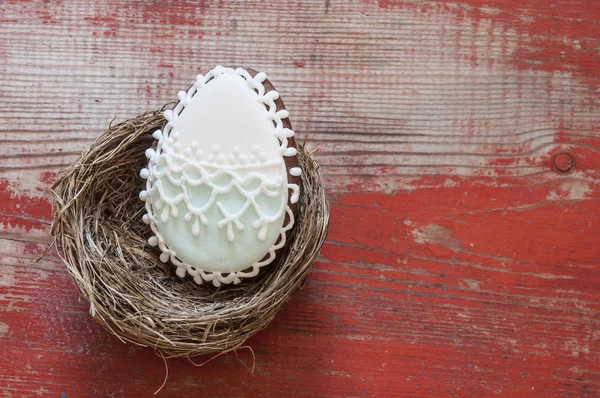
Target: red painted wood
pixel 563 162
pixel 460 261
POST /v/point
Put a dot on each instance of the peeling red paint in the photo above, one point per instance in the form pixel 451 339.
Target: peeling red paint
pixel 512 149
pixel 100 19
pixel 48 177
pixel 553 37
pixel 524 223
pixel 460 283
pixel 178 14
pixel 32 248
pixel 502 161
pixel 195 32
pixel 19 210
pixel 556 39
pixel 586 158
pixel 472 256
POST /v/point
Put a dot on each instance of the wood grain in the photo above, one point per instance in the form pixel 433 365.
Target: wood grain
pixel 460 261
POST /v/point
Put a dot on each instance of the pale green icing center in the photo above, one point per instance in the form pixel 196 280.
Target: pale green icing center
pixel 211 250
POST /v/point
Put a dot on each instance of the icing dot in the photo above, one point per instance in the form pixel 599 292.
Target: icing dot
pixel 260 77
pixel 231 159
pixel 188 217
pixel 157 134
pixel 210 157
pixel 243 159
pixel 263 156
pixel 236 149
pixel 272 95
pixel 164 257
pixel 143 195
pixel 149 153
pixel 221 159
pixel 196 228
pixel 198 279
pixel 290 152
pixel 164 217
pixel 187 151
pixel 199 154
pixel 176 135
pixel 146 219
pixel 295 193
pixel 255 149
pixel 144 173
pixel 194 145
pixel 262 234
pixel 295 171
pixel 180 270
pixel 153 241
pixel 177 146
pixel 215 148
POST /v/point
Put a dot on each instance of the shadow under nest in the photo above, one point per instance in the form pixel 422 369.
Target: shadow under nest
pixel 99 234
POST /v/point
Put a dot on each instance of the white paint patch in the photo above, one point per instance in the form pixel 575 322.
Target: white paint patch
pixel 570 190
pixel 7 276
pixel 464 315
pixel 448 183
pixel 3 329
pixel 436 234
pixel 473 284
pixel 419 236
pixel 546 275
pixel 576 347
pixel 27 182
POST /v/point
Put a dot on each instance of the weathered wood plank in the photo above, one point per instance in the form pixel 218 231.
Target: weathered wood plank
pixel 459 260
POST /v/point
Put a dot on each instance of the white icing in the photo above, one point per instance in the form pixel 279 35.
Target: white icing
pixel 217 191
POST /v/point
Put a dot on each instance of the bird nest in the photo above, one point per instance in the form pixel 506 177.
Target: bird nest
pixel 99 234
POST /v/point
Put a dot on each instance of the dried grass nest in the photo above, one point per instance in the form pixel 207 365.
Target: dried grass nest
pixel 99 234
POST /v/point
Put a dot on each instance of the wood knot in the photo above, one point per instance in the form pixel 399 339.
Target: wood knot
pixel 564 162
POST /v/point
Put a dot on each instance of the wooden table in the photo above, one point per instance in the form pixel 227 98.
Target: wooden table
pixel 461 146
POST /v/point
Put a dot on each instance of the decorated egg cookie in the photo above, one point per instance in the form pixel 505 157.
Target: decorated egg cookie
pixel 222 180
